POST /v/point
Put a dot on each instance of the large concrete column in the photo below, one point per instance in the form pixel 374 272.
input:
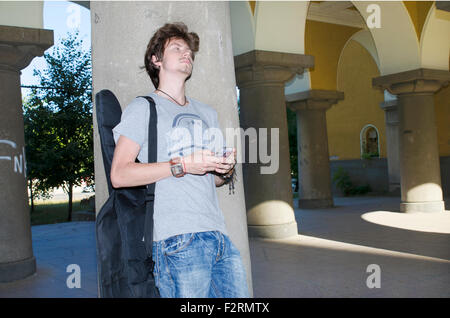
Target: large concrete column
pixel 18 46
pixel 312 145
pixel 392 142
pixel 117 59
pixel 261 76
pixel 420 177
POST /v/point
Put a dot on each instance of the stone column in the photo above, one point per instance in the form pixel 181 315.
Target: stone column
pixel 312 137
pixel 391 119
pixel 18 46
pixel 420 177
pixel 261 76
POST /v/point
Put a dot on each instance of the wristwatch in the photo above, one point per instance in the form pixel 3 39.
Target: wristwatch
pixel 177 167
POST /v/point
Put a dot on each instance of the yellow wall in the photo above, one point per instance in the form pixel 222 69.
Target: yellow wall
pixel 359 107
pixel 345 120
pixel 325 42
pixel 252 6
pixel 442 109
pixel 418 11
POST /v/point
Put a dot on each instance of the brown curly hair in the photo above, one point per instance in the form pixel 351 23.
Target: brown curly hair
pixel 158 43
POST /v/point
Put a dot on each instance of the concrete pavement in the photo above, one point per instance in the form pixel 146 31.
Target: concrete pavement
pixel 331 255
pixel 329 258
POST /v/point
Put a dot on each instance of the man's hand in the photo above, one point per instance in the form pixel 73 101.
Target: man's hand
pixel 229 164
pixel 203 161
pixel 222 174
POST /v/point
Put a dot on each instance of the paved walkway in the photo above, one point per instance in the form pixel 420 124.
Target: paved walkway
pixel 329 257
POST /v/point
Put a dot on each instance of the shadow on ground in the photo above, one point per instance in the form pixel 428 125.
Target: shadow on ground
pixel 331 255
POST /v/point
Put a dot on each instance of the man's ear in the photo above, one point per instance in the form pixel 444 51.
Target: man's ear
pixel 156 62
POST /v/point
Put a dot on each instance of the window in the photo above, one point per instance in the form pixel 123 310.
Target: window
pixel 370 145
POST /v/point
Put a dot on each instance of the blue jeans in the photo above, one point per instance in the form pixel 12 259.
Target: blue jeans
pixel 199 265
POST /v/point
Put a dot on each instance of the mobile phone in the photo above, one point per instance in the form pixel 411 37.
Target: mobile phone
pixel 227 151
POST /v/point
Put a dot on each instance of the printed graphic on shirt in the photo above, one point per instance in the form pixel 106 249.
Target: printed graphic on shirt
pixel 190 133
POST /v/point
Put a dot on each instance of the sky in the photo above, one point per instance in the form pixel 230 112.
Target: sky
pixel 61 17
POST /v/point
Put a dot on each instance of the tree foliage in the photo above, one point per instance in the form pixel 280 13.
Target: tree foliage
pixel 58 120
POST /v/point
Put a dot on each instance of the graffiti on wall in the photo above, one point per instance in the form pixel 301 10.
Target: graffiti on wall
pixel 16 160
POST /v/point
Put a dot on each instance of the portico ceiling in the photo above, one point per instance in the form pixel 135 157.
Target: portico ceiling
pixel 336 12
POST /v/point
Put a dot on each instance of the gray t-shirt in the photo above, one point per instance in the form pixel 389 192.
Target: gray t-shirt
pixel 187 204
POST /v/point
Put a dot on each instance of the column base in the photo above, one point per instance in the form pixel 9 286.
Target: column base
pixel 315 203
pixel 394 189
pixel 276 231
pixel 17 270
pixel 430 206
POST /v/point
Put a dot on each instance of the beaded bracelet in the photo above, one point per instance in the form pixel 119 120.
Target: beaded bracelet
pixel 229 179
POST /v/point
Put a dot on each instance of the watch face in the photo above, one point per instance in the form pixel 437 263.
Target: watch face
pixel 177 169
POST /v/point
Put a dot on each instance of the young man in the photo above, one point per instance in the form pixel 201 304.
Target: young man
pixel 193 255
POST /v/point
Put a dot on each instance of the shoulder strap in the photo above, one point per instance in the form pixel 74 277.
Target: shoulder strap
pixel 152 131
pixel 152 157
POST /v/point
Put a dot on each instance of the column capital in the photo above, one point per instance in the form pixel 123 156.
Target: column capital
pixel 313 99
pixel 418 81
pixel 390 108
pixel 18 46
pixel 389 105
pixel 266 67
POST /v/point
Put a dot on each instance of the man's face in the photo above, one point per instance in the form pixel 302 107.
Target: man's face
pixel 177 58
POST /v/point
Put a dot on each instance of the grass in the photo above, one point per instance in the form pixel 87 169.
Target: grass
pixel 52 212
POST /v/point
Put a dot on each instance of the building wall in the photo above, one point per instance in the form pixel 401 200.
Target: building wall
pixel 360 106
pixel 442 109
pixel 325 42
pixel 418 11
pixel 374 173
pixel 352 73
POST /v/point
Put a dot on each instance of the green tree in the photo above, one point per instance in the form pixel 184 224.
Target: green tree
pixel 34 119
pixel 58 120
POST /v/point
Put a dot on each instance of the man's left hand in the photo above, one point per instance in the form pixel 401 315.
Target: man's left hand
pixel 227 165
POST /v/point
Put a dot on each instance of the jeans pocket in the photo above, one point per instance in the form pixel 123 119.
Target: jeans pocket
pixel 177 243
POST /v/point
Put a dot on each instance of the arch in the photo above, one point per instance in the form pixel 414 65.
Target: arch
pixel 396 40
pixel 325 41
pixel 274 26
pixel 368 146
pixel 29 14
pixel 278 25
pixel 364 38
pixel 434 40
pixel 300 83
pixel 242 27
